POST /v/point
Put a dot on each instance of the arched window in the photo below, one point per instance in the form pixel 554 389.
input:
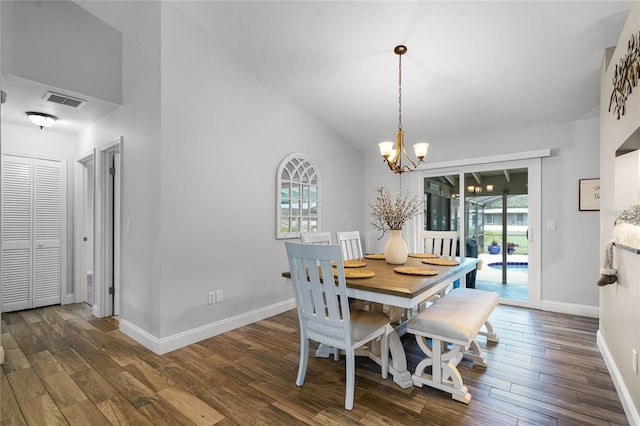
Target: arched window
pixel 298 197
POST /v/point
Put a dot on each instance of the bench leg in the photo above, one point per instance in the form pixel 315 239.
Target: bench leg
pixel 490 334
pixel 475 354
pixel 445 376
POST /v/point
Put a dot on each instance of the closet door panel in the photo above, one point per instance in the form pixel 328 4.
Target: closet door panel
pixel 46 282
pixel 16 278
pixel 32 229
pixel 47 232
pixel 16 190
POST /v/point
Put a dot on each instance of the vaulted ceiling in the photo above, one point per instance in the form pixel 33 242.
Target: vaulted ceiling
pixel 470 67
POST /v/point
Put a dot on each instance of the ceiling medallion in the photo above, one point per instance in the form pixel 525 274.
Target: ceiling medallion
pixel 625 76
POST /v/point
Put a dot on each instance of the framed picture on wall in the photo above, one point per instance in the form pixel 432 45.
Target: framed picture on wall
pixel 589 194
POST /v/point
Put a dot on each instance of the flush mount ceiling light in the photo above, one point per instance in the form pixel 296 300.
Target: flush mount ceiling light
pixel 393 155
pixel 41 119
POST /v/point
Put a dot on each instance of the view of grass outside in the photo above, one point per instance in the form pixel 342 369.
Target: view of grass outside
pixel 519 239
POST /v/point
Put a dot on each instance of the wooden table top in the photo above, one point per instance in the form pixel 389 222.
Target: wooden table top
pixel 387 281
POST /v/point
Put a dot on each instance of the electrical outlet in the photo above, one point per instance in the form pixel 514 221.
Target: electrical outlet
pixel 634 360
pixel 219 296
pixel 212 297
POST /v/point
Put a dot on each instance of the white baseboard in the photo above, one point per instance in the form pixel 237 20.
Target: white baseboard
pixel 570 308
pixel 177 341
pixel 68 299
pixel 1 355
pixel 623 393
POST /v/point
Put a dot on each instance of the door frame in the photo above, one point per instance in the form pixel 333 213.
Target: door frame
pixel 83 180
pixel 532 160
pixel 107 224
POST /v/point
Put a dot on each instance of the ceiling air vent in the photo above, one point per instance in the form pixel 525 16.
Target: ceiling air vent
pixel 57 98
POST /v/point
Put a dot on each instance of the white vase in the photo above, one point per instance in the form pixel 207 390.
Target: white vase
pixel 395 250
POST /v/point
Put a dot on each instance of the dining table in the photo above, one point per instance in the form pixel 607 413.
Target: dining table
pixel 401 293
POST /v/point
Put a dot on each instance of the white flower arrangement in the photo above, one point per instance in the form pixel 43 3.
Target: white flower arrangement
pixel 390 215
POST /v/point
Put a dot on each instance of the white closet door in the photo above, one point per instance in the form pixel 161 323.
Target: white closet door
pixel 17 173
pixel 32 226
pixel 47 232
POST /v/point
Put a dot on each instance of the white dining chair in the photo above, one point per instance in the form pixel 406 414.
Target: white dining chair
pixel 442 243
pixel 315 237
pixel 319 238
pixel 350 244
pixel 325 316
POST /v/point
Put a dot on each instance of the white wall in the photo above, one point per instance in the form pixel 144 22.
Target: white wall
pixel 47 143
pixel 224 132
pixel 570 259
pixel 138 121
pixel 203 212
pixel 620 302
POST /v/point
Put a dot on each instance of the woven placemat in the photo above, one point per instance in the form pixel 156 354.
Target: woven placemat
pixel 353 263
pixel 377 256
pixel 441 262
pixel 415 270
pixel 354 273
pixel 424 255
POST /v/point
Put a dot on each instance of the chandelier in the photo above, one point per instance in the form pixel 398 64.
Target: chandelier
pixel 393 155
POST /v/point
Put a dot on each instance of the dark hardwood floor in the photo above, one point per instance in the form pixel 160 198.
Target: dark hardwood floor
pixel 63 366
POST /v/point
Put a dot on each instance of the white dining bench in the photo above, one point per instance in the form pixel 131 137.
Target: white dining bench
pixel 453 323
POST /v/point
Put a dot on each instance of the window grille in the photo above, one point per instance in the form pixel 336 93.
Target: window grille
pixel 298 197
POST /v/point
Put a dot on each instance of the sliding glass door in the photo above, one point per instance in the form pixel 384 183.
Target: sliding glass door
pixel 491 208
pixel 502 196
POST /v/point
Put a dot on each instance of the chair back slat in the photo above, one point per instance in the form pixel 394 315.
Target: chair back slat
pixel 350 243
pixel 442 243
pixel 327 298
pixel 300 274
pixel 315 237
pixel 322 300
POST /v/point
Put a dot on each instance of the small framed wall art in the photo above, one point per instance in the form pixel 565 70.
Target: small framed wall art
pixel 589 194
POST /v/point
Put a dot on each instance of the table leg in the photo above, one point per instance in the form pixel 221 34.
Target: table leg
pixel 324 351
pixel 398 362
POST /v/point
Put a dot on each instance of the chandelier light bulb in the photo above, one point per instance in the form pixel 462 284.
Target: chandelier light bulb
pixel 386 149
pixel 421 149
